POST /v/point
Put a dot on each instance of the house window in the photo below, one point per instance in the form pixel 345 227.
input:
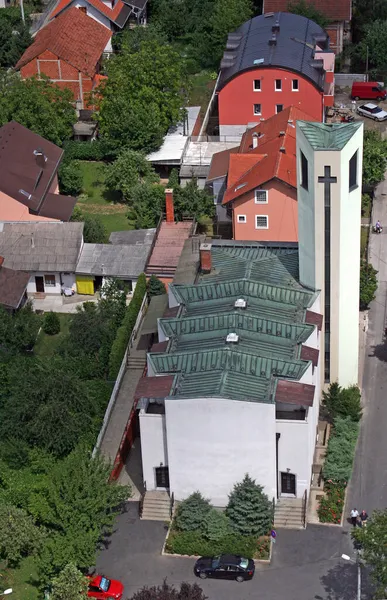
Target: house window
pixel 294 85
pixel 353 172
pixel 278 108
pixel 278 85
pixel 49 280
pixel 304 171
pixel 257 109
pixel 257 85
pixel 241 218
pixel 260 196
pixel 261 222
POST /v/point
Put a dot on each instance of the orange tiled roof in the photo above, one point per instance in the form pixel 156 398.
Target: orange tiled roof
pixel 111 13
pixel 334 10
pixel 74 37
pixel 276 151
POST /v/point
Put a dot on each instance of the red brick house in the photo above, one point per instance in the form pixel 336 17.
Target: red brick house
pixel 68 50
pixel 271 62
pixel 260 180
pixel 338 13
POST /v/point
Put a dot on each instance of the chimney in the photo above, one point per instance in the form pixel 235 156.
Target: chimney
pixel 41 158
pixel 205 258
pixel 255 140
pixel 169 205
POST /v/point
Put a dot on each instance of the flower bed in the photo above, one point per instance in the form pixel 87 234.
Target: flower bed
pixel 195 544
pixel 330 509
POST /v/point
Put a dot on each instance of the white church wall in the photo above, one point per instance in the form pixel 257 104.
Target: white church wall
pixel 295 454
pixel 213 442
pixel 153 446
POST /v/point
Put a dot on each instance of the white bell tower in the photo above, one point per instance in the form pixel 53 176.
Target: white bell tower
pixel 329 182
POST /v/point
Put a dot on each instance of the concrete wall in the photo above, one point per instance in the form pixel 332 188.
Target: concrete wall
pixel 213 443
pixel 153 446
pixel 281 210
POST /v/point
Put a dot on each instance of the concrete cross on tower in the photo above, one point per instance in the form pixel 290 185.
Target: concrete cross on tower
pixel 327 180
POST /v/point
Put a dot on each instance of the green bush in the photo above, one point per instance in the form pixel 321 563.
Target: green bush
pixel 70 178
pixel 192 512
pixel 124 331
pixel 193 543
pixel 97 150
pixel 155 286
pixel 51 323
pixel 343 402
pixel 249 509
pixel 216 525
pixel 341 450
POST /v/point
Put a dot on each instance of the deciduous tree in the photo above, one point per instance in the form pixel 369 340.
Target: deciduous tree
pixel 14 36
pixel 308 10
pixel 368 284
pixel 70 178
pixel 249 509
pixel 373 543
pixel 147 202
pixel 19 536
pixel 69 584
pixel 127 171
pixel 374 157
pixel 37 104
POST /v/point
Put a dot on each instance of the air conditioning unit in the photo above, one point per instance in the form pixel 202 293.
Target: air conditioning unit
pixel 232 338
pixel 240 303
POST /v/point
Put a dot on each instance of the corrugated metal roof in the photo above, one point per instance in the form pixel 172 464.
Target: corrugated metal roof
pixel 293 50
pixel 332 136
pixel 133 237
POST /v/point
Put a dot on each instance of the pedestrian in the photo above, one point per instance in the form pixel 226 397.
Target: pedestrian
pixel 354 516
pixel 363 517
pixel 273 535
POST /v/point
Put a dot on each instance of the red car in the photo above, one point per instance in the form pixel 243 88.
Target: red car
pixel 105 589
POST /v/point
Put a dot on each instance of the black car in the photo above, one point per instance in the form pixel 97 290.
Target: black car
pixel 225 566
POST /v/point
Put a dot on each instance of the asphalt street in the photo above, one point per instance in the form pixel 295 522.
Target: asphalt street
pixel 307 564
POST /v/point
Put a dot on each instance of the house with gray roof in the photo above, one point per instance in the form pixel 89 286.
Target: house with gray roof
pixel 48 251
pixel 238 351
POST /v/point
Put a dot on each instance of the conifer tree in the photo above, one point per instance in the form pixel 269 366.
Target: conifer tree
pixel 192 512
pixel 249 509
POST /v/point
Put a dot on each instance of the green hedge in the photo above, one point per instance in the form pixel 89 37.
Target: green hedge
pixel 97 150
pixel 341 450
pixel 330 508
pixel 124 331
pixel 193 543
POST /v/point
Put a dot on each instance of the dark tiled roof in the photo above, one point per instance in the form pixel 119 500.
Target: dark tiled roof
pixel 12 286
pixel 308 353
pixel 293 51
pixel 154 387
pixel 159 347
pixel 171 312
pixel 294 392
pixel 334 10
pixel 74 37
pixel 313 318
pixel 21 169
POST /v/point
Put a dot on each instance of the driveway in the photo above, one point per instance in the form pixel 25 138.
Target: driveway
pixel 342 97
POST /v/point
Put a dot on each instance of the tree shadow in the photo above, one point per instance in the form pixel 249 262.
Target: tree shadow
pixel 379 351
pixel 112 196
pixel 340 582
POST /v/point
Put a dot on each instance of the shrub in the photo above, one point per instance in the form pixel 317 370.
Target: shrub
pixel 51 323
pixel 124 331
pixel 249 509
pixel 368 284
pixel 330 508
pixel 70 178
pixel 96 150
pixel 216 525
pixel 343 402
pixel 193 543
pixel 192 512
pixel 341 450
pixel 155 287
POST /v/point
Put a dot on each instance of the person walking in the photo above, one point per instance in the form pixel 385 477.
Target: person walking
pixel 363 518
pixel 354 516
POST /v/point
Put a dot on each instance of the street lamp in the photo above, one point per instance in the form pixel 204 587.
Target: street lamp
pixel 355 562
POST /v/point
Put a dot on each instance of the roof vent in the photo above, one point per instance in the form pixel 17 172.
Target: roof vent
pixel 232 338
pixel 283 149
pixel 290 121
pixel 276 27
pixel 26 194
pixel 240 303
pixel 266 15
pixel 273 41
pixel 282 133
pixel 41 158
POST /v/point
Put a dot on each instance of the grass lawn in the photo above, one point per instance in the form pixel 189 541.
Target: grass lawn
pixel 201 90
pixel 364 233
pixel 100 201
pixel 46 345
pixel 22 580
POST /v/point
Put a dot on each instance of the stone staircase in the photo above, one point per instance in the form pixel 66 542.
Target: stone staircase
pixel 136 360
pixel 156 506
pixel 288 513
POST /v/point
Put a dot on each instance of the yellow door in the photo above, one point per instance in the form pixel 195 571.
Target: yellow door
pixel 85 284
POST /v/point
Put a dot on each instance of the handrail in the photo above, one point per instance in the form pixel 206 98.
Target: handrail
pixel 304 506
pixel 172 505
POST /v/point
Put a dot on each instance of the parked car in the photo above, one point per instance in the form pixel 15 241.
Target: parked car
pixel 102 588
pixel 372 111
pixel 368 90
pixel 225 566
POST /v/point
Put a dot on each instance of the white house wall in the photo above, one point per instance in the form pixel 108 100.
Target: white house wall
pixel 294 453
pixel 153 446
pixel 68 280
pixel 212 443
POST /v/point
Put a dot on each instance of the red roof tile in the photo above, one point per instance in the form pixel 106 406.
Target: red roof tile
pixel 294 392
pixel 154 387
pixel 308 353
pixel 111 13
pixel 169 244
pixel 313 318
pixel 240 164
pixel 277 149
pixel 74 37
pixel 334 10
